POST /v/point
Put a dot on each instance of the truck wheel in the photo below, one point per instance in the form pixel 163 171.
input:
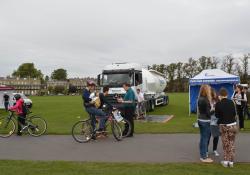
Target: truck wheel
pixel 152 105
pixel 166 101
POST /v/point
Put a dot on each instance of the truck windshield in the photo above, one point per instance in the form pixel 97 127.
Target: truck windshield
pixel 114 80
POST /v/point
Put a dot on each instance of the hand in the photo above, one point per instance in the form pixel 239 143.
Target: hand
pixel 120 100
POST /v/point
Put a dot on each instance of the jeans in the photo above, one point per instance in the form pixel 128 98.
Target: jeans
pixel 94 112
pixel 204 137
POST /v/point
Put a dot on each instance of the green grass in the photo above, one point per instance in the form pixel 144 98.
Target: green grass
pixel 61 112
pixel 77 168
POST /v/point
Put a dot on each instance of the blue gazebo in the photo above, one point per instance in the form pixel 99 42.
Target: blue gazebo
pixel 216 78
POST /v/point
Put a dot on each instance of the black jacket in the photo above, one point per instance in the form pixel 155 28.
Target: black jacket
pixel 204 108
pixel 225 111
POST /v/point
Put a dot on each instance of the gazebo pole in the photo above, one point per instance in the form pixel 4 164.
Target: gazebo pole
pixel 189 100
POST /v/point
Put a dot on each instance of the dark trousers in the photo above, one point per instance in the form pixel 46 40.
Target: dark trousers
pixel 6 105
pixel 241 116
pixel 129 115
pixel 21 121
pixel 215 142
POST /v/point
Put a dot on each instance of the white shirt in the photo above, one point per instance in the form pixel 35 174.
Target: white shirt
pixel 238 98
pixel 140 97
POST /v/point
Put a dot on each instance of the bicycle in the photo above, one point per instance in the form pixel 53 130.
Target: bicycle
pixel 82 131
pixel 34 125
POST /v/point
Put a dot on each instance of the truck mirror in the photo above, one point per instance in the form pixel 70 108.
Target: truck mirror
pixel 99 80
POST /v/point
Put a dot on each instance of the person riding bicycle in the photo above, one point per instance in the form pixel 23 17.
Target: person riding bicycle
pixel 19 109
pixel 90 107
pixel 105 105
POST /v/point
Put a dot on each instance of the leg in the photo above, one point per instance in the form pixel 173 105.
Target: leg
pixel 223 139
pixel 208 141
pixel 129 114
pixel 6 106
pixel 204 134
pixel 231 149
pixel 215 143
pixel 241 117
pixel 20 121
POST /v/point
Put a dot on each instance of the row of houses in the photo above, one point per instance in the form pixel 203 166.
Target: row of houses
pixel 34 86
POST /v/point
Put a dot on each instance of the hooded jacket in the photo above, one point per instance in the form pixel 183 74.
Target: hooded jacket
pixel 18 107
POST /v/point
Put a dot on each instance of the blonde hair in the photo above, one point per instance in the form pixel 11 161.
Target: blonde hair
pixel 205 91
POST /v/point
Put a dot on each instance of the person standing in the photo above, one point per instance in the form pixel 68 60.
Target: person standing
pixel 226 113
pixel 246 110
pixel 140 105
pixel 215 131
pixel 129 108
pixel 6 100
pixel 204 119
pixel 240 100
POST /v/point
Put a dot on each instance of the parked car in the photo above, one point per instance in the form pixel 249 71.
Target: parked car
pixel 27 101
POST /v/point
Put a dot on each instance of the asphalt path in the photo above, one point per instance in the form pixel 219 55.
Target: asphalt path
pixel 150 148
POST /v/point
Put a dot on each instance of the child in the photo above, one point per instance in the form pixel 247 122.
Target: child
pixel 18 108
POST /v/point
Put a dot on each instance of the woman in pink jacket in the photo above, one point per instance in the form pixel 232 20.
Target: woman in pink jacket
pixel 18 108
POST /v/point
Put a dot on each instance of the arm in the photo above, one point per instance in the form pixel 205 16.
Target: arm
pixel 15 107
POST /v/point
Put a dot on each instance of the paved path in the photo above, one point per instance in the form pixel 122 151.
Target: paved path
pixel 158 148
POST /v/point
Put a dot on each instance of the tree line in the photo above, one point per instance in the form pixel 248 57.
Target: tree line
pixel 179 73
pixel 28 70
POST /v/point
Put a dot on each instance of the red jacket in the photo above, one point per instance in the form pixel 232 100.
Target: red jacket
pixel 18 107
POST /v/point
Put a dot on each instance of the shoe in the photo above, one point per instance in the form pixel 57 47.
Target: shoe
pixel 93 137
pixel 207 160
pixel 216 153
pixel 224 163
pixel 99 131
pixel 231 164
pixel 19 134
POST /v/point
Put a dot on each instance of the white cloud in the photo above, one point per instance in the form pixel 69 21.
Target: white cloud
pixel 84 35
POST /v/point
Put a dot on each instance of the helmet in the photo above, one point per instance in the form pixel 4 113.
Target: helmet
pixel 17 96
pixel 91 83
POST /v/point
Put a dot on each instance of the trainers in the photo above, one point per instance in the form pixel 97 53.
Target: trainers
pixel 231 164
pixel 224 163
pixel 207 160
pixel 216 153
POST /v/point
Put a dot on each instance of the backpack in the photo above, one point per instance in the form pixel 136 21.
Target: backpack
pixel 25 109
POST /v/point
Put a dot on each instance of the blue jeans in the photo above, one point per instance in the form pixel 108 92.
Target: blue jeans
pixel 204 137
pixel 94 112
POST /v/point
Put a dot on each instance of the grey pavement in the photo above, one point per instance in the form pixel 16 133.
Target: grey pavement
pixel 151 148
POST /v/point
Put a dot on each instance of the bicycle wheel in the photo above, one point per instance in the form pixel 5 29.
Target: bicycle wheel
pixel 37 126
pixel 125 131
pixel 82 131
pixel 7 127
pixel 116 130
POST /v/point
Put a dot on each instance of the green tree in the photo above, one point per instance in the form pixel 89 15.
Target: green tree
pixel 59 74
pixel 27 70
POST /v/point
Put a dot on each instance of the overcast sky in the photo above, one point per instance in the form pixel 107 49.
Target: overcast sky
pixel 84 35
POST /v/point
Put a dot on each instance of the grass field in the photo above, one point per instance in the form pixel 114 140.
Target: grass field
pixel 77 168
pixel 61 112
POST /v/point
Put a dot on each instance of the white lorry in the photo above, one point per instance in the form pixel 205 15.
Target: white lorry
pixel 150 82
